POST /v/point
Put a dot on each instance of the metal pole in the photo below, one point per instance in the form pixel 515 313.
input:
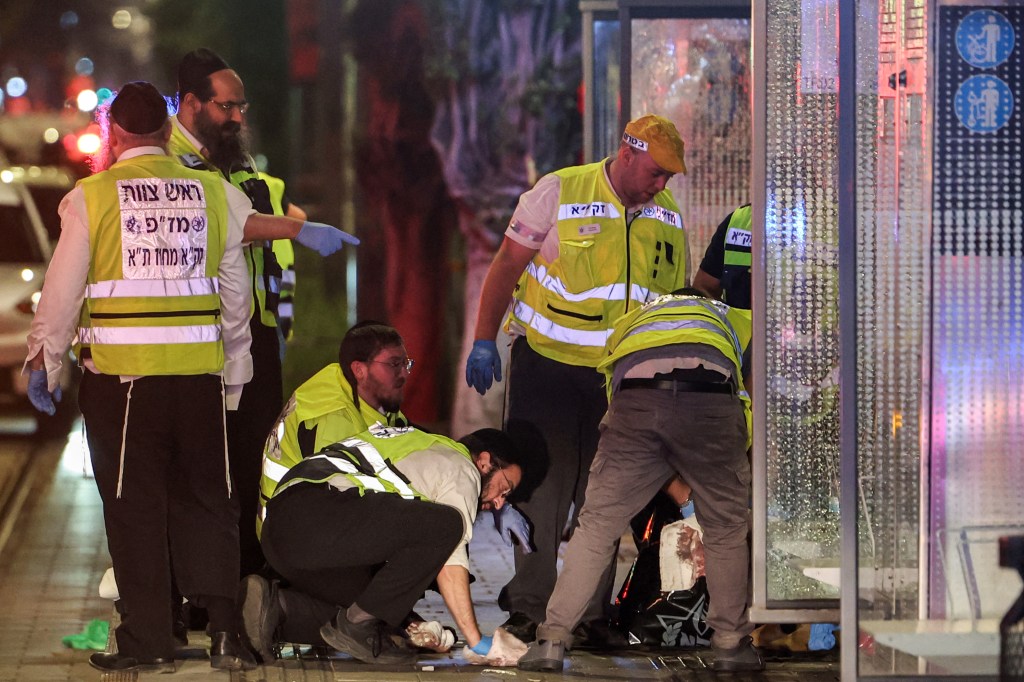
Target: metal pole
pixel 849 557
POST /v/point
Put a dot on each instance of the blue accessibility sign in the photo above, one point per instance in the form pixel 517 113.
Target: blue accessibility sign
pixel 985 38
pixel 983 104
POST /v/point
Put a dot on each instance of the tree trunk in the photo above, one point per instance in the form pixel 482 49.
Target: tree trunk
pixel 404 191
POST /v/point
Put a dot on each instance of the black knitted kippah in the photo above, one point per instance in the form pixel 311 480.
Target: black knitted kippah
pixel 139 108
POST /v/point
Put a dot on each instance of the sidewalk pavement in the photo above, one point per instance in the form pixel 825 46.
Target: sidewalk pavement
pixel 51 567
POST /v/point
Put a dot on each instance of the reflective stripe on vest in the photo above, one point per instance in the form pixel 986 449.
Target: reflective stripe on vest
pixel 723 327
pixel 119 336
pixel 372 472
pixel 196 286
pixel 557 332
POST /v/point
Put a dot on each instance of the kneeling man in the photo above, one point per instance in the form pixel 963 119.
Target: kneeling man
pixel 361 529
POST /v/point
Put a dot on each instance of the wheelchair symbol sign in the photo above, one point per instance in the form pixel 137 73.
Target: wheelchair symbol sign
pixel 985 39
pixel 983 104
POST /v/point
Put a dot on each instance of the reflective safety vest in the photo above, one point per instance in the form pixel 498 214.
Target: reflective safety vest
pixel 284 252
pixel 264 271
pixel 670 320
pixel 608 263
pixel 367 460
pixel 735 280
pixel 325 402
pixel 157 234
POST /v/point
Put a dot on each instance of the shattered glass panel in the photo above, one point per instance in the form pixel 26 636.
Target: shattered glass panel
pixel 893 299
pixel 802 320
pixel 696 72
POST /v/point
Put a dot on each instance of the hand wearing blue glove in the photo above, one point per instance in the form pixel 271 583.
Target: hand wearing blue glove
pixel 483 646
pixel 510 522
pixel 686 510
pixel 483 365
pixel 39 393
pixel 324 239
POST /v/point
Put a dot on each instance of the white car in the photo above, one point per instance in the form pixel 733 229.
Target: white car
pixel 24 253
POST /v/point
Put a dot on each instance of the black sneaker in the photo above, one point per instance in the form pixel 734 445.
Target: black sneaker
pixel 369 642
pixel 520 626
pixel 744 657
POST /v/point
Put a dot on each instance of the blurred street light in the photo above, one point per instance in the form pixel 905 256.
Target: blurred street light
pixel 16 87
pixel 87 100
pixel 122 19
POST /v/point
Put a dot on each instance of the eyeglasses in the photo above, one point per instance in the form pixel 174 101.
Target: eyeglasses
pixel 226 107
pixel 509 489
pixel 397 365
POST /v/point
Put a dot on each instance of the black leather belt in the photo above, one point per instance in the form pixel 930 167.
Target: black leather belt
pixel 677 386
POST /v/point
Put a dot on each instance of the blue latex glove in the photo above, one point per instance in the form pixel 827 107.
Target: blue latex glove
pixel 483 365
pixel 483 646
pixel 39 394
pixel 821 638
pixel 686 511
pixel 324 239
pixel 510 522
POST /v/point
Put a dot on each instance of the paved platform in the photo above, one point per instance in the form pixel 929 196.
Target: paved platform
pixel 56 553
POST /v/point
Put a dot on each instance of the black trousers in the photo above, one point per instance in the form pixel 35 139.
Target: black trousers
pixel 562 405
pixel 378 550
pixel 248 428
pixel 166 501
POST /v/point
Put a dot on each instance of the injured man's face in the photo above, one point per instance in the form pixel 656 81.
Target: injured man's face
pixel 497 483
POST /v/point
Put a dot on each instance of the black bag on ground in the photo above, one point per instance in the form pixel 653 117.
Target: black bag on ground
pixel 647 615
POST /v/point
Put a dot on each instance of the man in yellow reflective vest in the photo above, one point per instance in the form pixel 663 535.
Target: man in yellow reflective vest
pixel 725 269
pixel 363 388
pixel 148 273
pixel 388 511
pixel 208 134
pixel 678 407
pixel 586 245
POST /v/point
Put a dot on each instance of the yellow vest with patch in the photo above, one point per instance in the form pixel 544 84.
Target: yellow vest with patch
pixel 157 233
pixel 608 263
pixel 670 320
pixel 325 401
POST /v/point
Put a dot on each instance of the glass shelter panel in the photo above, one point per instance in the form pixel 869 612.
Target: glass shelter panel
pixel 605 97
pixel 801 409
pixel 696 72
pixel 940 331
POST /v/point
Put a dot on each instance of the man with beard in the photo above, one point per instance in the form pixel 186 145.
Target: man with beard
pixel 363 527
pixel 208 134
pixel 364 387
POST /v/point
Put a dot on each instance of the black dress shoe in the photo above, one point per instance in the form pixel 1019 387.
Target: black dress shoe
pixel 227 652
pixel 110 663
